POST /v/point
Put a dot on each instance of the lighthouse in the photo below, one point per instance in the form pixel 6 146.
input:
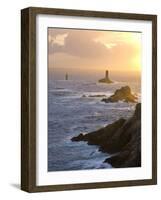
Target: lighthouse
pixel 66 76
pixel 106 79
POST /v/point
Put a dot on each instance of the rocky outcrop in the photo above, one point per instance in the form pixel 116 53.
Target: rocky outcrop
pixel 106 79
pixel 122 94
pixel 121 139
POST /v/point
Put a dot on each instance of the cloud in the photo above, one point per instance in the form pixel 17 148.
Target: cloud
pixel 77 43
pixel 123 54
pixel 70 48
pixel 53 32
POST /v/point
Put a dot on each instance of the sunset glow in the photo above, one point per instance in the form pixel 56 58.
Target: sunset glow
pixel 94 98
pixel 84 50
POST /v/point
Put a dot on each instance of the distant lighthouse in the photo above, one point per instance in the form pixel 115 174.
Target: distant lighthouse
pixel 106 74
pixel 106 79
pixel 66 76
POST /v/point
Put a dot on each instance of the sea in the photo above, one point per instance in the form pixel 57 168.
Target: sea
pixel 74 107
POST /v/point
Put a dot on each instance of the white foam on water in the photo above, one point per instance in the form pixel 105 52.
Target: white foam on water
pixel 75 114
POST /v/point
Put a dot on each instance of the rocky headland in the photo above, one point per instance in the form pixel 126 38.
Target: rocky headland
pixel 122 94
pixel 121 139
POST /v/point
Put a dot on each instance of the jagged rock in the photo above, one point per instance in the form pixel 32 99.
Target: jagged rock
pixel 106 79
pixel 101 135
pixel 122 94
pixel 122 139
pixel 78 138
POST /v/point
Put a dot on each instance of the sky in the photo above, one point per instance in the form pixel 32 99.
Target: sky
pixel 84 51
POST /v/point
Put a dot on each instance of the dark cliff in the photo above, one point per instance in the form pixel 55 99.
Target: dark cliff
pixel 121 139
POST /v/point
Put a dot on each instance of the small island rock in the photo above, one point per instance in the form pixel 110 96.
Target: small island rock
pixel 122 94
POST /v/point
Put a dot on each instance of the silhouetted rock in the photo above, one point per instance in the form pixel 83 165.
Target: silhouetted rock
pixel 106 79
pixel 122 94
pixel 78 138
pixel 121 139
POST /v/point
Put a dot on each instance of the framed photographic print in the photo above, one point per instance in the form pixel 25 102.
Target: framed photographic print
pixel 88 99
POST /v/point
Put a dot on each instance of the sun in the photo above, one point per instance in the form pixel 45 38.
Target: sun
pixel 135 40
pixel 136 63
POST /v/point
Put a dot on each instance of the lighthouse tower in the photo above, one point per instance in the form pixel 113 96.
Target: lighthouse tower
pixel 106 79
pixel 66 76
pixel 106 74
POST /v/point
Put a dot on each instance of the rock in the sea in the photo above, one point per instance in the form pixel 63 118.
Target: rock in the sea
pixel 122 94
pixel 122 139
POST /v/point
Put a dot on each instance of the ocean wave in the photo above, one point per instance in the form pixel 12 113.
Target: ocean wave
pixel 70 114
pixel 96 94
pixel 59 90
